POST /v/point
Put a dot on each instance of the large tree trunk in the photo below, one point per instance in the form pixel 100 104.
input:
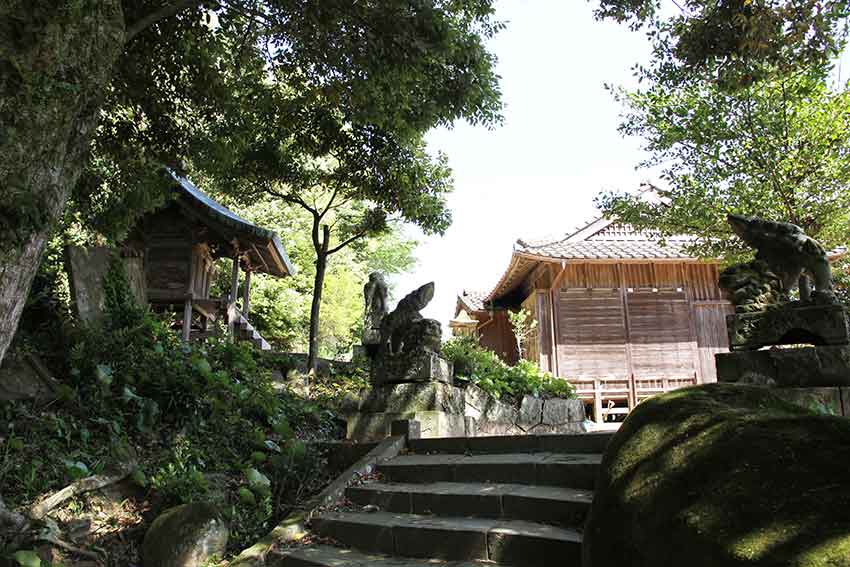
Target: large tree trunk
pixel 55 62
pixel 318 285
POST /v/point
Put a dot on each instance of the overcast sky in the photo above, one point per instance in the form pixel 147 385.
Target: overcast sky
pixel 538 173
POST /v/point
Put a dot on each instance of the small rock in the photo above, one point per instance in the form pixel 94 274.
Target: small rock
pixel 185 536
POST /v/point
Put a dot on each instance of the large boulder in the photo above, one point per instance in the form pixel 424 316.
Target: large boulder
pixel 185 536
pixel 723 475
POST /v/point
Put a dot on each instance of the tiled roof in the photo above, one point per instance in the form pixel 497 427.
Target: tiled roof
pixel 600 239
pixel 473 300
pixel 267 238
pixel 609 241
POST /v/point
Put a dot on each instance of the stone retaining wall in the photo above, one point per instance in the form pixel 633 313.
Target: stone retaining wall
pixel 450 411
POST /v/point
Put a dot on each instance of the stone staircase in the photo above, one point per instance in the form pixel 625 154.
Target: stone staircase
pixel 247 332
pixel 514 501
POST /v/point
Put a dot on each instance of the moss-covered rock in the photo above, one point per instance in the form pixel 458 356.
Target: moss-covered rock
pixel 723 475
pixel 185 536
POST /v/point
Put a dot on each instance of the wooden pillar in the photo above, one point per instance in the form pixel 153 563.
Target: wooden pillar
pixel 246 294
pixel 187 303
pixel 231 304
pixel 187 318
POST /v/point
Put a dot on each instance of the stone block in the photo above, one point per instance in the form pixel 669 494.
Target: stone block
pixel 458 503
pixel 422 366
pixel 558 411
pixel 476 400
pixel 484 427
pixel 533 545
pixel 819 366
pixel 815 324
pixel 470 426
pixel 499 411
pixel 87 268
pixel 410 428
pixel 530 412
pixel 371 426
pixel 560 429
pixel 415 396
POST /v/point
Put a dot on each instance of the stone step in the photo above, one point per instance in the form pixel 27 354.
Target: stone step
pixel 545 504
pixel 509 542
pixel 572 443
pixel 329 556
pixel 548 469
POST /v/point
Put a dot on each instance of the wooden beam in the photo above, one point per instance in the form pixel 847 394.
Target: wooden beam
pixel 555 306
pixel 630 370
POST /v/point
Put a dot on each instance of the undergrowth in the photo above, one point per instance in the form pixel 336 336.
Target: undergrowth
pixel 486 370
pixel 202 421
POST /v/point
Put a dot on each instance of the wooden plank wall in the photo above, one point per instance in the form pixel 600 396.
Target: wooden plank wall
pixel 636 329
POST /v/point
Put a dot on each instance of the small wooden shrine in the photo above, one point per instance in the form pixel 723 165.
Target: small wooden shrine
pixel 179 244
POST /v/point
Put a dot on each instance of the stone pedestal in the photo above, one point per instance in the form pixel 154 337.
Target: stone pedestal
pixel 813 324
pixel 439 407
pixel 418 366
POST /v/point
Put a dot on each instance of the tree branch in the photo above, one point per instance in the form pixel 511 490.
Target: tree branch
pixel 158 15
pixel 346 242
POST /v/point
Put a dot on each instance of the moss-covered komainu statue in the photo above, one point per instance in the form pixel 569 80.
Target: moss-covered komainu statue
pixel 788 253
pixel 752 287
pixel 722 475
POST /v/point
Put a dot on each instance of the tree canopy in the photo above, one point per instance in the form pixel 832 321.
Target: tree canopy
pixel 98 94
pixel 737 41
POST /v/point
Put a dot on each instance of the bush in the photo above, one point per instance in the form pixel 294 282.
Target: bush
pixel 194 416
pixel 486 370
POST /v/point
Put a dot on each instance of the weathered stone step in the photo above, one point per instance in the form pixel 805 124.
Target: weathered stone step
pixel 546 504
pixel 548 469
pixel 509 542
pixel 572 443
pixel 329 556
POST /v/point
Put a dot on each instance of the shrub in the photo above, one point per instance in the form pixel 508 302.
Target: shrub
pixel 486 370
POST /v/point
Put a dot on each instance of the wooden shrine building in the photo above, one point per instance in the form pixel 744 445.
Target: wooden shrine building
pixel 619 315
pixel 179 244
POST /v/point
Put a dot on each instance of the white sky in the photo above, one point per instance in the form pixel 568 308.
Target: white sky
pixel 558 147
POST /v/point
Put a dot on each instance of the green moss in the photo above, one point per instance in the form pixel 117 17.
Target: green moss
pixel 721 475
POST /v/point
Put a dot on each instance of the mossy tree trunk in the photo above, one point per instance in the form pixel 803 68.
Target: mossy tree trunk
pixel 55 62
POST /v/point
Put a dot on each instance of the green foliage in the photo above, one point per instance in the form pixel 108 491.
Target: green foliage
pixel 524 327
pixel 737 42
pixel 280 307
pixel 183 412
pixel 775 149
pixel 485 369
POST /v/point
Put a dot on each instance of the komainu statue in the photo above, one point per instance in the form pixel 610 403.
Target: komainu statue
pixel 375 296
pixel 788 253
pixel 752 287
pixel 405 330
